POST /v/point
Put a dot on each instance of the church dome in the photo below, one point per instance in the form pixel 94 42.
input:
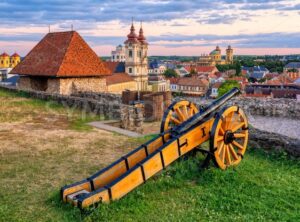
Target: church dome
pixel 214 52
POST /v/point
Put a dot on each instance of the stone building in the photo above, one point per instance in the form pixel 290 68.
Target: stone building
pixel 136 62
pixel 62 62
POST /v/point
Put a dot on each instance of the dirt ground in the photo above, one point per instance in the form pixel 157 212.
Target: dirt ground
pixel 40 151
pixel 149 128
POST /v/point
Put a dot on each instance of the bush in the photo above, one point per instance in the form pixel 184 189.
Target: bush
pixel 170 73
pixel 227 86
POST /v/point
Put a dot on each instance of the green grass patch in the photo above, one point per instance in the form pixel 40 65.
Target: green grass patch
pixel 81 124
pixel 263 187
pixel 18 106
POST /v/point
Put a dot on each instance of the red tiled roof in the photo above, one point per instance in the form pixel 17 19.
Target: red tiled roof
pixel 218 74
pixel 212 76
pixel 273 82
pixel 200 68
pixel 173 80
pixel 4 54
pixel 118 78
pixel 205 68
pixel 62 54
pixel 112 66
pixel 217 85
pixel 15 55
pixel 192 81
pixel 279 80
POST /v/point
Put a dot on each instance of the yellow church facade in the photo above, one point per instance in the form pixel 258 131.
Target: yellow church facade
pixel 215 57
pixel 7 61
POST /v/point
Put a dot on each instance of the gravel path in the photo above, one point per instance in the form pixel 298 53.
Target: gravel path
pixel 284 126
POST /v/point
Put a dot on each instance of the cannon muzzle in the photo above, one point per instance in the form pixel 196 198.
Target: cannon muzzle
pixel 205 112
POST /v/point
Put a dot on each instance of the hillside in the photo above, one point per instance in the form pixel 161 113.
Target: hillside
pixel 45 146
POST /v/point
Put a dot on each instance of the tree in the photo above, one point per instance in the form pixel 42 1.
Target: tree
pixel 193 72
pixel 170 73
pixel 236 66
pixel 293 70
pixel 226 86
pixel 262 80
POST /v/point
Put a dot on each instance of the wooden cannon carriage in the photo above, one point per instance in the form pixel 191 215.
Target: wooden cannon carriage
pixel 183 129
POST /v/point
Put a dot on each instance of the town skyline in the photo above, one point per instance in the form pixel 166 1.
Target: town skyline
pixel 183 28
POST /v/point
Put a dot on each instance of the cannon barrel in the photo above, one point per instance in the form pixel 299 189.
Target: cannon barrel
pixel 205 112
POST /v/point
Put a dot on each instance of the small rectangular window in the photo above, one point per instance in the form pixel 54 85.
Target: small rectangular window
pixel 130 70
pixel 130 53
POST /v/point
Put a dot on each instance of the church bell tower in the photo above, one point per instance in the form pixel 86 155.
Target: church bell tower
pixel 229 55
pixel 136 61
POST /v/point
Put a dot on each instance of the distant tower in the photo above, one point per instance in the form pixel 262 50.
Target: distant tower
pixel 136 62
pixel 229 55
pixel 4 60
pixel 15 59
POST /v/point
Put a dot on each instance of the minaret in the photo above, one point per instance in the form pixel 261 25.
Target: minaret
pixel 229 55
pixel 136 62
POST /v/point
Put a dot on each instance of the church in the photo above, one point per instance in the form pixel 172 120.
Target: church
pixel 136 63
pixel 215 57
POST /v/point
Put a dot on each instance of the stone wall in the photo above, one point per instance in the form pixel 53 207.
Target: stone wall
pixel 101 97
pixel 24 83
pixel 89 84
pixel 132 118
pixel 272 141
pixel 288 108
pixel 65 86
pixel 108 105
pixel 154 103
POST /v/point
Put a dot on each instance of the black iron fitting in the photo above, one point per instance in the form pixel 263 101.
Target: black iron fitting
pixel 207 111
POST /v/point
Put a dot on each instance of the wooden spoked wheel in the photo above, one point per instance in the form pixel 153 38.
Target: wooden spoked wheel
pixel 177 113
pixel 229 137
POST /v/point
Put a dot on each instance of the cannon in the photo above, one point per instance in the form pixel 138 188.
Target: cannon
pixel 183 129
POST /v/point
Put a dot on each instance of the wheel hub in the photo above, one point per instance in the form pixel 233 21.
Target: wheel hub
pixel 228 137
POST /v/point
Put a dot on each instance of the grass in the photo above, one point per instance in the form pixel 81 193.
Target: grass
pixel 18 106
pixel 262 188
pixel 36 163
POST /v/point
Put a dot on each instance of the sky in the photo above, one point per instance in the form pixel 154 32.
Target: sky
pixel 182 27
